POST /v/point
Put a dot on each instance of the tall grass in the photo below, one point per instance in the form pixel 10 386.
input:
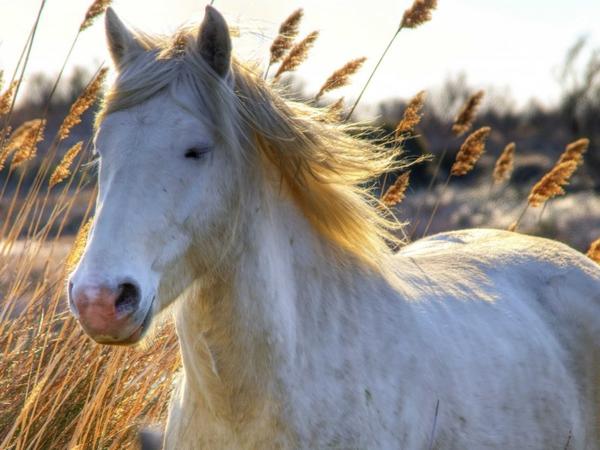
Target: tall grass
pixel 57 388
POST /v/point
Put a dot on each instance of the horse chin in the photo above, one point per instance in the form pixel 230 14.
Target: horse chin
pixel 133 338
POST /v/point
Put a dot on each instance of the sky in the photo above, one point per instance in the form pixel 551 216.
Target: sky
pixel 510 44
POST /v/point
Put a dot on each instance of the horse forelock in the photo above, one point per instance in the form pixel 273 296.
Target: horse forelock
pixel 327 165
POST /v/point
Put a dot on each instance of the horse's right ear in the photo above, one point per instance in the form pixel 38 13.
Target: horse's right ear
pixel 121 41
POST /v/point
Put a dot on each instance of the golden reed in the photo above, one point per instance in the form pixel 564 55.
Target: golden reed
pixel 575 151
pixel 594 251
pixel 397 191
pixel 466 116
pixel 23 142
pixel 341 77
pixel 505 164
pixel 288 30
pixel 470 152
pixel 63 170
pixel 81 105
pixel 418 13
pixel 552 184
pixel 6 99
pixel 297 54
pixel 412 115
pixel 95 9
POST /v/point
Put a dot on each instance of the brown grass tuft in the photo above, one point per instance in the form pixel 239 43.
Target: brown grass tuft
pixel 78 245
pixel 288 30
pixel 6 99
pixel 297 54
pixel 63 170
pixel 81 105
pixel 418 13
pixel 505 164
pixel 470 152
pixel 24 142
pixel 594 251
pixel 575 151
pixel 341 77
pixel 95 9
pixel 412 115
pixel 396 192
pixel 551 184
pixel 466 116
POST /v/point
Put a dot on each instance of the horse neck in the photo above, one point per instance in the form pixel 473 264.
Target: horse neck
pixel 238 330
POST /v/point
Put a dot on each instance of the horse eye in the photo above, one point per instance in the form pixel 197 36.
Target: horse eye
pixel 193 153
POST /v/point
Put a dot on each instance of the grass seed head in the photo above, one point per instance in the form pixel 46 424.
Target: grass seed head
pixel 81 105
pixel 297 54
pixel 470 152
pixel 575 151
pixel 594 251
pixel 341 77
pixel 63 170
pixel 552 184
pixel 95 9
pixel 397 191
pixel 288 30
pixel 505 164
pixel 418 13
pixel 466 116
pixel 6 99
pixel 23 142
pixel 412 115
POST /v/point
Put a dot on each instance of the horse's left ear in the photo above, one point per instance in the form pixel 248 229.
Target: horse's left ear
pixel 214 42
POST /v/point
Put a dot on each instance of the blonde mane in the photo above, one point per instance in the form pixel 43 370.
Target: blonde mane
pixel 328 166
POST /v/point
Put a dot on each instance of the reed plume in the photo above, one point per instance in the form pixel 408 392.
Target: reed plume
pixel 78 245
pixel 594 251
pixel 466 116
pixel 81 105
pixel 396 192
pixel 505 164
pixel 341 77
pixel 6 99
pixel 95 9
pixel 470 152
pixel 63 170
pixel 418 13
pixel 575 151
pixel 297 54
pixel 288 30
pixel 551 184
pixel 23 142
pixel 412 115
pixel 1 79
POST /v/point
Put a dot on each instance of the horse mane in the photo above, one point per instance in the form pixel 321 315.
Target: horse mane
pixel 327 165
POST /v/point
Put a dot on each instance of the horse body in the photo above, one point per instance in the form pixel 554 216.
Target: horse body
pixel 298 327
pixel 490 324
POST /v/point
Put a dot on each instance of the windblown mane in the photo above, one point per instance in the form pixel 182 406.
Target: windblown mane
pixel 329 166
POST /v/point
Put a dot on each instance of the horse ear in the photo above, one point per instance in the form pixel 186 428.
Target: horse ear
pixel 121 42
pixel 214 42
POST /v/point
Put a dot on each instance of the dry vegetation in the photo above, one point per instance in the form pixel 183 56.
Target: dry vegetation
pixel 57 388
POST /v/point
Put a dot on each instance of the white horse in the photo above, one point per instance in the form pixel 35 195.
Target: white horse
pixel 298 328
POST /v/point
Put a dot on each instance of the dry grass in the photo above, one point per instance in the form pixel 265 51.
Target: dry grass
pixel 466 116
pixel 505 164
pixel 470 152
pixel 57 388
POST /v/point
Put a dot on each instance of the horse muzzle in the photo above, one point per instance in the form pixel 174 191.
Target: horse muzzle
pixel 110 314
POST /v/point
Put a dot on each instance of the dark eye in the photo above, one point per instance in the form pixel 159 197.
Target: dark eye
pixel 193 153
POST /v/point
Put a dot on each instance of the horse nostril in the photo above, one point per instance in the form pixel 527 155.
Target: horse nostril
pixel 128 299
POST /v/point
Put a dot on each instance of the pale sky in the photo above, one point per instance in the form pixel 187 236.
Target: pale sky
pixel 505 43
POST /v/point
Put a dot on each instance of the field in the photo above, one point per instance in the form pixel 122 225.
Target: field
pixel 58 389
